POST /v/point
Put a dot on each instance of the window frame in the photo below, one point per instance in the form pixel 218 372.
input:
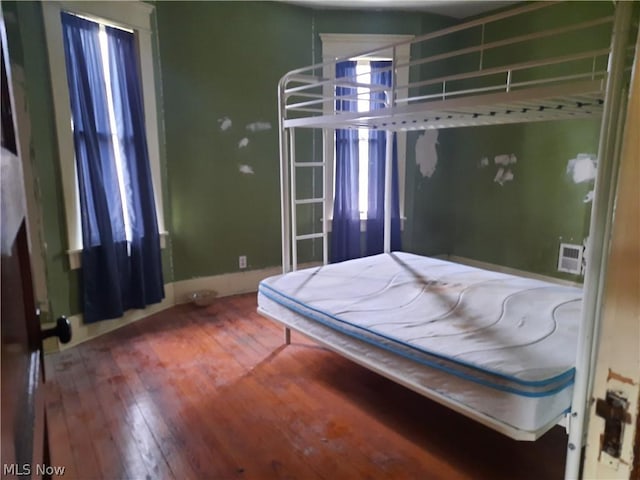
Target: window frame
pixel 131 15
pixel 344 45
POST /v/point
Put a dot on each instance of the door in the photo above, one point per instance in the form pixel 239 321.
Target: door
pixel 23 423
pixel 613 420
pixel 24 449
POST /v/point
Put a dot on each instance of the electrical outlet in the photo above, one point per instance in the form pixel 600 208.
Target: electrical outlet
pixel 242 261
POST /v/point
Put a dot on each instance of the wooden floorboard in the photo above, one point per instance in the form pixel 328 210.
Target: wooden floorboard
pixel 212 393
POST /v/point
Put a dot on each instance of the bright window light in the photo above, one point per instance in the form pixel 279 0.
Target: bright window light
pixel 363 73
pixel 104 50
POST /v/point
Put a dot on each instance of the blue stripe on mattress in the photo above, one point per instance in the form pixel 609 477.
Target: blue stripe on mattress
pixel 554 384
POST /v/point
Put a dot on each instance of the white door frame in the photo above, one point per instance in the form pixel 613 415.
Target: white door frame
pixel 617 366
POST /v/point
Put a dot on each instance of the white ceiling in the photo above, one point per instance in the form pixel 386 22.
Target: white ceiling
pixel 451 8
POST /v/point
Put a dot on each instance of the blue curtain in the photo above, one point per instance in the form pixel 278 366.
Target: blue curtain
pixel 146 281
pixel 116 274
pixel 345 228
pixel 377 154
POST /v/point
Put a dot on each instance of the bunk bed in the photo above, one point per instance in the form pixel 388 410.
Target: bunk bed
pixel 496 347
pixel 510 352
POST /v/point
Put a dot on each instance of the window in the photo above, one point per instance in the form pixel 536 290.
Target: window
pixel 121 181
pixel 121 259
pixel 343 46
pixel 134 17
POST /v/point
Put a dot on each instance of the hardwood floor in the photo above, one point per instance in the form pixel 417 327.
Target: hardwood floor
pixel 212 393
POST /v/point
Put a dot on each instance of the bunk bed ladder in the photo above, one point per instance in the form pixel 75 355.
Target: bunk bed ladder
pixel 295 201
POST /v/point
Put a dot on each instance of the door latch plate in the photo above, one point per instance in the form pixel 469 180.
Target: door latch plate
pixel 614 410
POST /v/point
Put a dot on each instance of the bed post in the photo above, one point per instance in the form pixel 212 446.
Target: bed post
pixel 293 219
pixel 327 144
pixel 284 183
pixel 388 175
pixel 388 164
pixel 284 192
pixel 600 226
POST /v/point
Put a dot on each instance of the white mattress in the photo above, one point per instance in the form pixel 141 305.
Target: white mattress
pixel 498 344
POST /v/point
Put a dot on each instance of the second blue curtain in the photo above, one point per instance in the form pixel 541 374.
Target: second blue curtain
pixel 345 228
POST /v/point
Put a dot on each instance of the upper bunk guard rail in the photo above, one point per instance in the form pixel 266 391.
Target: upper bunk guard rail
pixel 444 65
pixel 446 31
pixel 516 67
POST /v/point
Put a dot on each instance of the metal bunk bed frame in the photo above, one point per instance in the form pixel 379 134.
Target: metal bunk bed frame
pixel 306 99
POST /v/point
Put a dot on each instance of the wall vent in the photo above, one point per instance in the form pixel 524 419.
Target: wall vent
pixel 570 258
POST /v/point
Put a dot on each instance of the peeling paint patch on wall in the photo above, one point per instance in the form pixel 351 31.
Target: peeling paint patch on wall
pixel 588 198
pixel 246 169
pixel 243 142
pixel 503 175
pixel 505 159
pixel 426 152
pixel 259 126
pixel 225 123
pixel 583 168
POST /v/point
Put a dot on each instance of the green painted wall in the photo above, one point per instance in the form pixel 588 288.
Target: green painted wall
pixel 428 206
pixel 521 223
pixel 224 60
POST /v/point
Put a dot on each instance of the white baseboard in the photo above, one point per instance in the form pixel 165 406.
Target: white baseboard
pixel 223 285
pixel 81 332
pixel 175 294
pixel 228 283
pixel 509 270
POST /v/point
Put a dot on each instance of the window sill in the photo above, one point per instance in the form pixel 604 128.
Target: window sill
pixel 75 256
pixel 363 224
